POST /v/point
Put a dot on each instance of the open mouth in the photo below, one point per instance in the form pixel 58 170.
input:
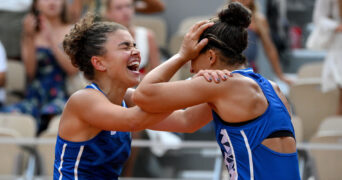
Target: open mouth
pixel 133 66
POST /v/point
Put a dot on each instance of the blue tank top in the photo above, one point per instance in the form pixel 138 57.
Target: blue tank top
pixel 244 154
pixel 101 157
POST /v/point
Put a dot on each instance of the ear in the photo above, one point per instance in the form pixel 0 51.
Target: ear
pixel 97 63
pixel 212 57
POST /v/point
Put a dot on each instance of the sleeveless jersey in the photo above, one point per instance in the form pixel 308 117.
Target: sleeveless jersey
pixel 101 157
pixel 245 157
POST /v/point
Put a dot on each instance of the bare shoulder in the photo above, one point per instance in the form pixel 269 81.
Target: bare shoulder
pixel 73 126
pixel 281 96
pixel 82 98
pixel 276 87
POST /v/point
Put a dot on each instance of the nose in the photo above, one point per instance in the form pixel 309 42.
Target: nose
pixel 135 51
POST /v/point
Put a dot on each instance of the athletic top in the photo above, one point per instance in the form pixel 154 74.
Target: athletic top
pixel 244 154
pixel 101 157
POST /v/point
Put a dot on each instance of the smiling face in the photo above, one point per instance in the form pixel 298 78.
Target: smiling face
pixel 121 59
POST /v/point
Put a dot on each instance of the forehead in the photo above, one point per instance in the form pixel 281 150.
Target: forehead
pixel 119 36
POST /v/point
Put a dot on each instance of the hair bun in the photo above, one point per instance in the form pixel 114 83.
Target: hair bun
pixel 236 15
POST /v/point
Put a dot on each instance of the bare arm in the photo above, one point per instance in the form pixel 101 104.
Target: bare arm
pixel 270 50
pixel 186 121
pixel 55 45
pixel 128 97
pixel 150 6
pixel 95 109
pixel 28 47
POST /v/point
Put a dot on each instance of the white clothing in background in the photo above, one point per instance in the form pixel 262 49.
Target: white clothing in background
pixel 15 5
pixel 141 39
pixel 3 68
pixel 327 16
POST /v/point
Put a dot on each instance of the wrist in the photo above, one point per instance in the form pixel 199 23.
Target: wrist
pixel 180 57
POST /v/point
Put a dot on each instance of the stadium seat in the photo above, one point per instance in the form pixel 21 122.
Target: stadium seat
pixel 329 162
pixel 46 152
pixel 310 70
pixel 15 81
pixel 24 124
pixel 311 104
pixel 11 155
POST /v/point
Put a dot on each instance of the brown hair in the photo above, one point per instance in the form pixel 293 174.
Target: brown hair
pixel 63 15
pixel 86 39
pixel 229 34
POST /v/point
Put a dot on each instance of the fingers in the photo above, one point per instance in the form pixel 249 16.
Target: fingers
pixel 197 25
pixel 222 75
pixel 202 44
pixel 216 75
pixel 201 29
pixel 207 76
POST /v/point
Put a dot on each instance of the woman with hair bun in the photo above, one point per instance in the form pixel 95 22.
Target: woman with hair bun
pixel 252 117
pixel 94 139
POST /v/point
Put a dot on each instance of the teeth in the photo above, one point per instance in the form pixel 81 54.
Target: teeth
pixel 134 63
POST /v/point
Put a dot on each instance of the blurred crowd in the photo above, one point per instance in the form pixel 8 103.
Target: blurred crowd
pixel 32 31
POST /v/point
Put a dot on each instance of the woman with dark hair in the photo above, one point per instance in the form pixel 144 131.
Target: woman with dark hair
pixel 252 117
pixel 94 139
pixel 259 30
pixel 46 64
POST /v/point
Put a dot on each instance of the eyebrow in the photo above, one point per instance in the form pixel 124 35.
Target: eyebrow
pixel 126 43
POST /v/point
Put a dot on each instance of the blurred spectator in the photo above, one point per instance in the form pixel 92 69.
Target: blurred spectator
pixel 276 16
pixel 46 64
pixel 122 11
pixel 328 15
pixel 11 14
pixel 259 30
pixel 78 7
pixel 3 67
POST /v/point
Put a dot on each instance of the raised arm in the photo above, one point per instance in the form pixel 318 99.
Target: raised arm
pixel 55 44
pixel 269 47
pixel 28 46
pixel 186 121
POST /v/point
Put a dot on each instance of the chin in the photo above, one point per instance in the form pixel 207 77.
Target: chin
pixel 133 83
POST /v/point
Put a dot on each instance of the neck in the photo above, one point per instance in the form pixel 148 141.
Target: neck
pixel 54 21
pixel 223 66
pixel 115 92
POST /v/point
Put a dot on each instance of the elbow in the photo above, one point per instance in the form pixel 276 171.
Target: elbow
pixel 143 99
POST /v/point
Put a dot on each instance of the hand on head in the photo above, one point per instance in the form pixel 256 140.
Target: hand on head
pixel 191 47
pixel 216 75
